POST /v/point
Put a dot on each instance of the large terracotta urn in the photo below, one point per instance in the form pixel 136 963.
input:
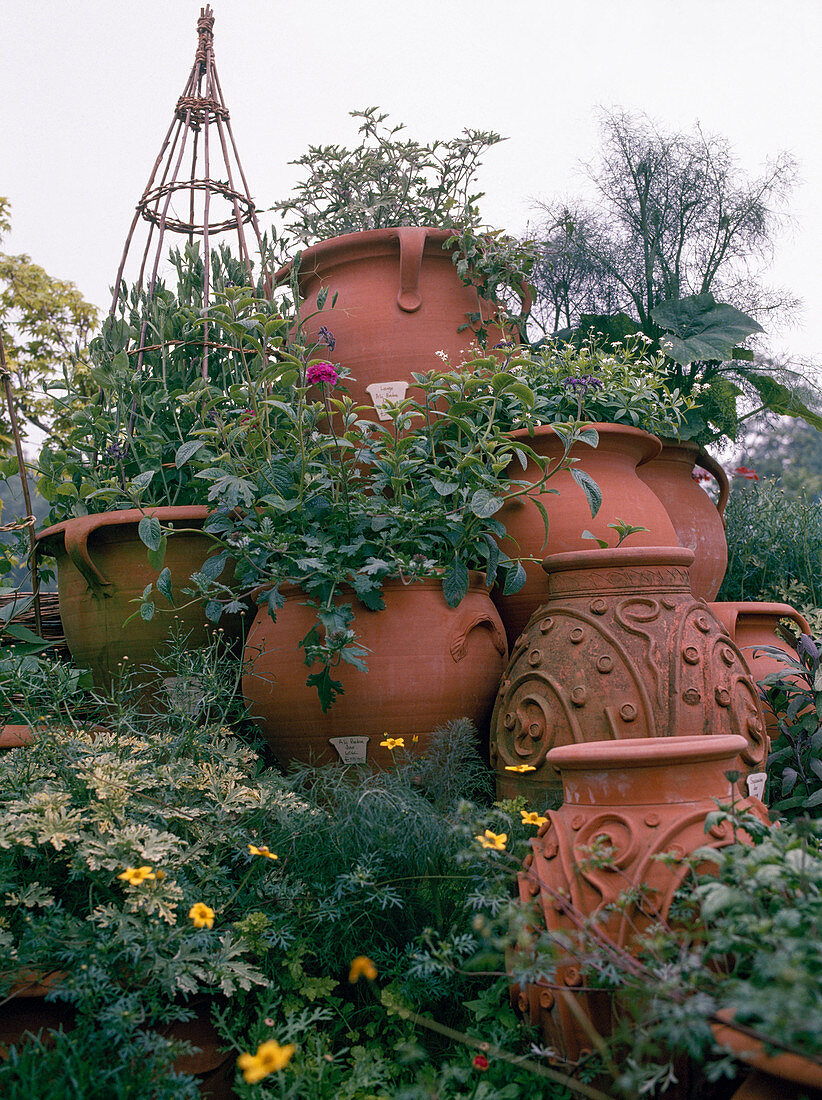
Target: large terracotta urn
pixel 625 804
pixel 102 570
pixel 428 664
pixel 613 464
pixel 620 649
pixel 697 520
pixel 392 300
pixel 752 625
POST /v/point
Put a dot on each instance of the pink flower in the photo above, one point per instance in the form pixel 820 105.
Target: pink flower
pixel 480 1062
pixel 321 372
pixel 743 471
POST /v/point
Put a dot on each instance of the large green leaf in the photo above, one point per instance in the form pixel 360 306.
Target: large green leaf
pixel 699 328
pixel 779 399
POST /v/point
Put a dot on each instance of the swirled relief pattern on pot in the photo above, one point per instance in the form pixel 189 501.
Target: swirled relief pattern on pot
pixel 644 665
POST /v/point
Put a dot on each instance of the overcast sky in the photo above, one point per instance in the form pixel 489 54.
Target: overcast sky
pixel 88 88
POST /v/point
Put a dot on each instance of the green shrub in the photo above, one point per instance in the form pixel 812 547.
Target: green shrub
pixel 774 547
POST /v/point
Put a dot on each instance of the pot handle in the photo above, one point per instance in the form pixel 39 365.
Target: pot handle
pixel 709 463
pixel 412 242
pixel 76 543
pixel 459 636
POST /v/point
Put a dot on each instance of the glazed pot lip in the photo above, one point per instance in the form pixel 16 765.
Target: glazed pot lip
pixel 125 516
pixel 644 752
pixel 649 445
pixel 331 247
pixel 622 557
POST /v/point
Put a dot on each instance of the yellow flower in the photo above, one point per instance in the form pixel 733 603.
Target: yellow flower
pixel 135 875
pixel 362 967
pixel 497 841
pixel 202 915
pixel 393 743
pixel 262 852
pixel 415 738
pixel 532 818
pixel 269 1058
pixel 520 768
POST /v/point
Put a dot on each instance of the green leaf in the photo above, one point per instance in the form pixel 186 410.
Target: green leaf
pixel 157 557
pixel 485 504
pixel 147 610
pixel 164 585
pixel 779 399
pixel 515 578
pixel 700 328
pixel 589 487
pixel 455 581
pixel 150 532
pixel 141 481
pixel 444 488
pixel 186 450
pixel 603 544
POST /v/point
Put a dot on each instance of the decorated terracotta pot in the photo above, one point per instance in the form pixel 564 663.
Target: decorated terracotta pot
pixel 697 520
pixel 620 649
pixel 102 570
pixel 613 466
pixel 630 801
pixel 393 300
pixel 754 624
pixel 428 664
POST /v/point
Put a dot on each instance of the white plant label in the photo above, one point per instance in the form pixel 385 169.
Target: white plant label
pixel 756 784
pixel 352 750
pixel 383 394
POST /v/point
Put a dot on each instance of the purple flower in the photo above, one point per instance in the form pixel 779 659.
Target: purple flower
pixel 115 451
pixel 327 337
pixel 321 372
pixel 808 646
pixel 583 385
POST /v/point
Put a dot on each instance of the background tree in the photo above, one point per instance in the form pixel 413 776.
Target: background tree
pixel 46 324
pixel 674 215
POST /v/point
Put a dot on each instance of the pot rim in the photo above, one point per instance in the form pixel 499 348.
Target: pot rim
pixel 651 449
pixel 361 238
pixel 643 752
pixel 782 610
pixel 618 557
pixel 124 517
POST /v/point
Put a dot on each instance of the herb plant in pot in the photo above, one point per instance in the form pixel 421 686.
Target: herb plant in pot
pixel 621 396
pixel 397 268
pixel 365 550
pixel 112 481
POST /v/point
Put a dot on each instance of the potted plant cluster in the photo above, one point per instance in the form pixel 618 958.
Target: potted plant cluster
pixel 322 511
pixel 391 258
pixel 114 470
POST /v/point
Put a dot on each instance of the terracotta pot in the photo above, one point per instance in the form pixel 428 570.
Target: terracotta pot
pixel 754 624
pixel 640 798
pixel 399 300
pixel 620 649
pixel 428 664
pixel 779 1076
pixel 25 1011
pixel 697 520
pixel 102 569
pixel 11 737
pixel 613 466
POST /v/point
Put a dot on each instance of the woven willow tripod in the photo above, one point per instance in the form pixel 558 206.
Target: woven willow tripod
pixel 197 172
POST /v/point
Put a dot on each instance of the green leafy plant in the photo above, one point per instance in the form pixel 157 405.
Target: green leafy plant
pixel 154 366
pixel 386 180
pixel 306 493
pixel 774 547
pixel 618 384
pixel 794 696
